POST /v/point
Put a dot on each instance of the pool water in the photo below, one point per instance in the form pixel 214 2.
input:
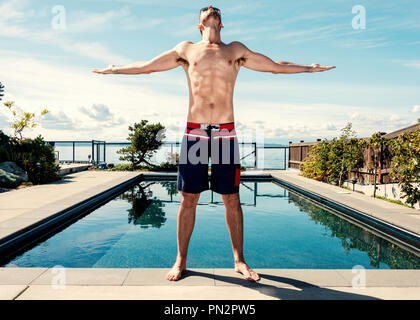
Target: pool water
pixel 137 229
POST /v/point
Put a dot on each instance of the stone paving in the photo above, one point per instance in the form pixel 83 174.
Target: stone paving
pixel 202 284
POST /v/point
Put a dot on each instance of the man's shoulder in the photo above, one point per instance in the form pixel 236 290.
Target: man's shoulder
pixel 184 43
pixel 183 46
pixel 237 44
pixel 238 47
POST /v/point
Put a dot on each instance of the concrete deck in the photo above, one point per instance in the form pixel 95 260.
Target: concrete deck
pixel 23 207
pixel 202 284
pixel 72 167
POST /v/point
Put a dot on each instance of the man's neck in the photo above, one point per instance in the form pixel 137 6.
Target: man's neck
pixel 211 34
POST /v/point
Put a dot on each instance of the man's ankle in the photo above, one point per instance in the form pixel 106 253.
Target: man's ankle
pixel 181 261
pixel 238 261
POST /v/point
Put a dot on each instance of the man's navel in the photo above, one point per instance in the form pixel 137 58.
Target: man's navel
pixel 211 105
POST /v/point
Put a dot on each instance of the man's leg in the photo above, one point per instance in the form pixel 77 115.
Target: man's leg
pixel 185 226
pixel 234 222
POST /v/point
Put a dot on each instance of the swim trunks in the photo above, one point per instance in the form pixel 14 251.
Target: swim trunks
pixel 200 142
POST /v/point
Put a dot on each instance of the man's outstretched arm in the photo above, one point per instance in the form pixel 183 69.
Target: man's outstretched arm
pixel 259 62
pixel 165 61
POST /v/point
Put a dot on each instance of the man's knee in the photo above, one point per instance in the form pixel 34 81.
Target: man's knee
pixel 189 200
pixel 231 200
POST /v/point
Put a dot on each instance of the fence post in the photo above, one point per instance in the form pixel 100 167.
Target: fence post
pixel 93 153
pixel 104 151
pixel 284 158
pixel 255 150
pixel 73 150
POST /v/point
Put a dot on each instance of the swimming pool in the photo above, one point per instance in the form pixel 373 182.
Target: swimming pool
pixel 137 229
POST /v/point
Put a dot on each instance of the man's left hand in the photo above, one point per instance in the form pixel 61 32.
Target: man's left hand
pixel 317 68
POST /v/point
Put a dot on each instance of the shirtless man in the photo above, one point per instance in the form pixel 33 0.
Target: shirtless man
pixel 211 67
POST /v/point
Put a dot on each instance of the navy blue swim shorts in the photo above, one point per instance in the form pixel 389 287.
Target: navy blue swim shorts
pixel 201 142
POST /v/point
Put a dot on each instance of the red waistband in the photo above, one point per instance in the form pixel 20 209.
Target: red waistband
pixel 228 125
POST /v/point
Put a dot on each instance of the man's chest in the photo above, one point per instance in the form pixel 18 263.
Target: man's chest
pixel 216 58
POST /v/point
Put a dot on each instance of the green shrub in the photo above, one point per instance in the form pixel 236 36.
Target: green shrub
pixel 332 161
pixel 315 165
pixel 8 148
pixel 406 164
pixel 37 158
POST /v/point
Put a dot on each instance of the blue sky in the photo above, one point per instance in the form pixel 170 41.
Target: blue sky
pixel 376 85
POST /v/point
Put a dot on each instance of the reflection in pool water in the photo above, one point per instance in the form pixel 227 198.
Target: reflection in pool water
pixel 281 230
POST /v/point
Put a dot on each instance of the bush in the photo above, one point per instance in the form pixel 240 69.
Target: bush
pixel 35 156
pixel 8 148
pixel 406 164
pixel 315 164
pixel 332 161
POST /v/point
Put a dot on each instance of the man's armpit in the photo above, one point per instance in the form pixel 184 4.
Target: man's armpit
pixel 182 61
pixel 241 61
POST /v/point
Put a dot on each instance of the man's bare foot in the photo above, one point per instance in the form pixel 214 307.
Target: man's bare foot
pixel 176 272
pixel 247 272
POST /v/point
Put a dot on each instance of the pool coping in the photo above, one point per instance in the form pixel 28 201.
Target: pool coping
pixel 214 284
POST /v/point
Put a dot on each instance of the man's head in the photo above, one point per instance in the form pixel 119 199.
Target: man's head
pixel 209 16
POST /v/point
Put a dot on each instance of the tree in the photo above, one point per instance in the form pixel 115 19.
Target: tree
pixel 344 156
pixel 333 160
pixel 145 140
pixel 21 119
pixel 406 164
pixel 377 142
pixel 315 164
pixel 1 90
pixel 349 152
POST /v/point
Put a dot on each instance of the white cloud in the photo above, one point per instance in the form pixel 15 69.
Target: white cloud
pixel 65 90
pixel 14 24
pixel 394 117
pixel 411 63
pixel 95 106
pixel 15 10
pixel 330 126
pixel 90 22
pixel 356 116
pixel 415 109
pixel 58 120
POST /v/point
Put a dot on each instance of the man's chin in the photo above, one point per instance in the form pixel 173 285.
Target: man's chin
pixel 213 15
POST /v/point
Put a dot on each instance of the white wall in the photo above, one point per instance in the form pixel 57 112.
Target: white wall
pixel 387 190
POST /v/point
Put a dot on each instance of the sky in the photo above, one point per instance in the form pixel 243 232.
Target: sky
pixel 48 49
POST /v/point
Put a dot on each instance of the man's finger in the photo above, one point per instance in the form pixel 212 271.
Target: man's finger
pixel 324 68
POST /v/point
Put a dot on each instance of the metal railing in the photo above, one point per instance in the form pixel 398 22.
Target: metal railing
pixel 95 152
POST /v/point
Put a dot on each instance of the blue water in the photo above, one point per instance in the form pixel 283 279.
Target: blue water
pixel 281 230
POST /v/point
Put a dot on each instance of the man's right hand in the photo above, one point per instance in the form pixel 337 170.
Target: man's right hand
pixel 107 70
